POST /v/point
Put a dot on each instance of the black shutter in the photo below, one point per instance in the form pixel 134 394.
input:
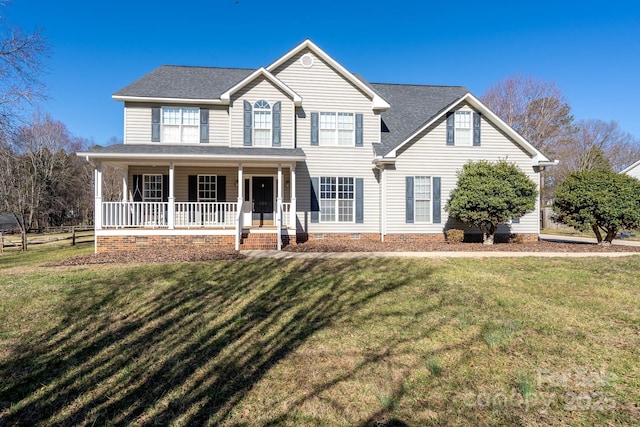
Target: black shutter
pixel 515 220
pixel 155 124
pixel 204 125
pixel 248 130
pixel 315 204
pixel 221 188
pixel 359 201
pixel 137 188
pixel 437 207
pixel 450 129
pixel 193 188
pixel 275 139
pixel 476 129
pixel 359 130
pixel 409 199
pixel 165 188
pixel 314 128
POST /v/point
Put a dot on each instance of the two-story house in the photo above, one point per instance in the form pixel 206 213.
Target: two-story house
pixel 300 149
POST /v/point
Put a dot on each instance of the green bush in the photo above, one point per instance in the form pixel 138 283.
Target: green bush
pixel 603 201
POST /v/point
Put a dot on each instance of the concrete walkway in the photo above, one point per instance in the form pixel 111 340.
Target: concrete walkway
pixel 444 254
pixel 457 254
pixel 575 239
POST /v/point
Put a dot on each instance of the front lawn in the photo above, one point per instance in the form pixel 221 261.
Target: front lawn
pixel 331 342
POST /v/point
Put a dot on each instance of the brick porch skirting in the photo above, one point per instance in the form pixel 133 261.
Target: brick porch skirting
pixel 125 243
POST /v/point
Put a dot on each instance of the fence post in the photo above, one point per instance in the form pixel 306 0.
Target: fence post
pixel 73 235
pixel 1 242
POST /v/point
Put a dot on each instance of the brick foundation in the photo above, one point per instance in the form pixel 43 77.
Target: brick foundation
pixel 125 243
pixel 415 238
pixel 303 237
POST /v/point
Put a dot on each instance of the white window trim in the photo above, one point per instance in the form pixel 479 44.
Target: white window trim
pixel 198 188
pixel 415 200
pixel 458 140
pixel 144 190
pixel 337 200
pixel 180 125
pixel 336 130
pixel 254 128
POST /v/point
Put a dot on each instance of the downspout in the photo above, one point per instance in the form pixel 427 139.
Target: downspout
pixel 381 168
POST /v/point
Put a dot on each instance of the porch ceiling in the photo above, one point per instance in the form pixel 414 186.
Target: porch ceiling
pixel 122 154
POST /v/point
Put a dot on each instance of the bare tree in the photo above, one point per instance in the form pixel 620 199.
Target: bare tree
pixel 536 109
pixel 539 112
pixel 594 143
pixel 22 56
pixel 14 190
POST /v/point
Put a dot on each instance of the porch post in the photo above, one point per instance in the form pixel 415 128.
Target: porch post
pixel 125 183
pixel 383 203
pixel 292 197
pixel 279 208
pixel 239 208
pixel 171 199
pixel 97 209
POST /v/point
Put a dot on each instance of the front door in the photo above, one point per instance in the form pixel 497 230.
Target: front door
pixel 262 193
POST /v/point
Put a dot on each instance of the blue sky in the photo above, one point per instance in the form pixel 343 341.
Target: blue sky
pixel 591 50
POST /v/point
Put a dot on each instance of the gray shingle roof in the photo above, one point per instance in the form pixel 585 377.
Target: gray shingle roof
pixel 412 106
pixel 171 81
pixel 193 150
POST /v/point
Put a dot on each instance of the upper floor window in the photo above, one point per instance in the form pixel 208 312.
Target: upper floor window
pixel 262 124
pixel 152 188
pixel 180 124
pixel 463 128
pixel 337 129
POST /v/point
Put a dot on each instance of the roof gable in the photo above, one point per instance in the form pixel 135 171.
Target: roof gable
pixel 261 72
pixel 378 102
pixel 440 100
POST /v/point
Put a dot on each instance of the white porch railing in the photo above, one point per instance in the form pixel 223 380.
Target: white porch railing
pixel 286 215
pixel 135 214
pixel 205 214
pixel 155 214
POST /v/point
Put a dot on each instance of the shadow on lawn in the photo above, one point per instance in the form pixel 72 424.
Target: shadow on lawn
pixel 176 343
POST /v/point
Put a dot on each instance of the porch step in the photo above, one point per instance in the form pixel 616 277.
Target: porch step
pixel 258 240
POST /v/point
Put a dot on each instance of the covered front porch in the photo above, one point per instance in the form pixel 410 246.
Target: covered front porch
pixel 195 196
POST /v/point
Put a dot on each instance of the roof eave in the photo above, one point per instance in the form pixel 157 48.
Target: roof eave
pixel 143 156
pixel 631 167
pixel 126 98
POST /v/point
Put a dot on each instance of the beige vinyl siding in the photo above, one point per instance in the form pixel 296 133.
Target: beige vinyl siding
pixel 219 125
pixel 138 123
pixel 263 89
pixel 430 156
pixel 350 163
pixel 322 88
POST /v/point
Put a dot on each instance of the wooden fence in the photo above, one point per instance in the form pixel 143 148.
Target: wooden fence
pixel 73 234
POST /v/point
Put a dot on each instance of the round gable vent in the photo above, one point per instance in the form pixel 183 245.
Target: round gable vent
pixel 306 60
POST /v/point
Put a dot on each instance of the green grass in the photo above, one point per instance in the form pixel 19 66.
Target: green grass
pixel 329 342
